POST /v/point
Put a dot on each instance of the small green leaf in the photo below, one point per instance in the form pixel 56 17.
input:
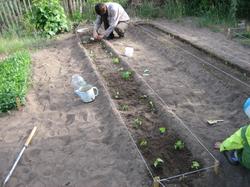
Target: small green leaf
pixel 116 61
pixel 143 143
pixel 158 162
pixel 179 145
pixel 195 165
pixel 162 130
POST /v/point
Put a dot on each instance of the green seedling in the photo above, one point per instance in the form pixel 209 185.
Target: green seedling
pixel 162 130
pixel 117 95
pixel 126 75
pixel 179 145
pixel 143 143
pixel 124 107
pixel 151 106
pixel 120 69
pixel 158 163
pixel 116 61
pixel 195 165
pixel 143 97
pixel 137 123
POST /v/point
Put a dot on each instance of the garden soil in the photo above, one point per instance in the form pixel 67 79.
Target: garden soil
pixel 194 91
pixel 76 144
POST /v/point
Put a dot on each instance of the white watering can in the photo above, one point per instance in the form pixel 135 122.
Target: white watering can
pixel 87 93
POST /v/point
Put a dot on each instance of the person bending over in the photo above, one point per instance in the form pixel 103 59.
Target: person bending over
pixel 114 18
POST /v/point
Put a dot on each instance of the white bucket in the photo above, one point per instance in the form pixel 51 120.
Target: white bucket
pixel 129 51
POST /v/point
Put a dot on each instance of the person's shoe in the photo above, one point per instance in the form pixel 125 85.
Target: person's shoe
pixel 231 157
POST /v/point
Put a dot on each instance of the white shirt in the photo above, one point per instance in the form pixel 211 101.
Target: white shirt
pixel 116 13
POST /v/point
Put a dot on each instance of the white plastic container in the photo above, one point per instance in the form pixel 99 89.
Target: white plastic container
pixel 77 81
pixel 129 51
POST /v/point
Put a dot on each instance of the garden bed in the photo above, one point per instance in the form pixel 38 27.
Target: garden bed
pixel 144 119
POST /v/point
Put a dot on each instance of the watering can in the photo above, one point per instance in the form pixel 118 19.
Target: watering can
pixel 87 93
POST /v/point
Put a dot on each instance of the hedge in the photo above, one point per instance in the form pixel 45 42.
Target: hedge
pixel 14 80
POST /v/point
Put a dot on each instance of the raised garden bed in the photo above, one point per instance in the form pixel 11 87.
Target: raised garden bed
pixel 160 144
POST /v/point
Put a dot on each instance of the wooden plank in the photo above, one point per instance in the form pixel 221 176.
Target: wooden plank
pixel 10 17
pixel 13 12
pixel 16 8
pixel 70 7
pixel 3 23
pixel 5 16
pixel 30 6
pixel 20 7
pixel 25 6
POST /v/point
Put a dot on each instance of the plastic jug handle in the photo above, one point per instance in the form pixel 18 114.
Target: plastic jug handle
pixel 96 89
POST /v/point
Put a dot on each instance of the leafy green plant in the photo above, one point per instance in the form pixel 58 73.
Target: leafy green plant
pixel 179 145
pixel 143 143
pixel 126 75
pixel 195 165
pixel 124 107
pixel 162 130
pixel 48 17
pixel 137 122
pixel 116 60
pixel 158 163
pixel 15 72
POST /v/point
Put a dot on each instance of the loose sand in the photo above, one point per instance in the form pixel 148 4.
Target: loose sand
pixel 76 144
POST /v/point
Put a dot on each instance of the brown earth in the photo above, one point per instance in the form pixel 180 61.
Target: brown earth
pixel 194 91
pixel 76 144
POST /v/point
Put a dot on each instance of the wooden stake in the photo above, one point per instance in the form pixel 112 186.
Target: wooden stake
pixel 156 183
pixel 216 168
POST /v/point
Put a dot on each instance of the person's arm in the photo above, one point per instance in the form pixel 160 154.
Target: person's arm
pixel 97 25
pixel 233 142
pixel 114 19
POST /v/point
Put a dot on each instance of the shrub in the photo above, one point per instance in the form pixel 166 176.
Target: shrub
pixel 48 17
pixel 15 72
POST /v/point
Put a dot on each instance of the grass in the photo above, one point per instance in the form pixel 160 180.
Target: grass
pixel 12 44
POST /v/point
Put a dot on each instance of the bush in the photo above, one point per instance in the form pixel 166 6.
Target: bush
pixel 15 72
pixel 48 17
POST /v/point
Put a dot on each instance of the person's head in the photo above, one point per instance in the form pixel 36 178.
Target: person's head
pixel 100 8
pixel 246 107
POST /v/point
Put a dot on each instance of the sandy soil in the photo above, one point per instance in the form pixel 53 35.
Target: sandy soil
pixel 196 93
pixel 76 144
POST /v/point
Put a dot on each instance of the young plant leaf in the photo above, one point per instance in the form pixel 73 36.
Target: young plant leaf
pixel 179 145
pixel 195 165
pixel 162 130
pixel 158 162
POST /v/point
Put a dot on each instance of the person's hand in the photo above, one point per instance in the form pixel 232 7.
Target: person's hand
pixel 95 35
pixel 99 37
pixel 217 145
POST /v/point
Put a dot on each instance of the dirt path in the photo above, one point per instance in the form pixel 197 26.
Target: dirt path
pixel 77 144
pixel 195 92
pixel 213 42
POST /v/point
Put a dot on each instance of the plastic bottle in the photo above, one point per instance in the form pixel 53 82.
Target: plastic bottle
pixel 77 81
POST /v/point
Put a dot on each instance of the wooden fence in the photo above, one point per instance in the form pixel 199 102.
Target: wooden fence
pixel 12 11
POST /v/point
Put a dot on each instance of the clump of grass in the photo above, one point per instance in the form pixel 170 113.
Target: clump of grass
pixel 15 72
pixel 14 43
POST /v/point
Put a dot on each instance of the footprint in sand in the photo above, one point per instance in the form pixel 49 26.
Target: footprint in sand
pixel 70 119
